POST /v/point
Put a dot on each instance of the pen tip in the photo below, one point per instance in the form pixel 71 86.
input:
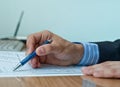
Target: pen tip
pixel 17 66
pixel 14 69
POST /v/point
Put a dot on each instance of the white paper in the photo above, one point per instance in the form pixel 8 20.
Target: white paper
pixel 8 61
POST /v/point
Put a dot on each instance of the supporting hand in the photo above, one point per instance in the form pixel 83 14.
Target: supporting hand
pixel 110 69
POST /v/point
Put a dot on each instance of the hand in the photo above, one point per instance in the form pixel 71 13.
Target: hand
pixel 58 52
pixel 109 69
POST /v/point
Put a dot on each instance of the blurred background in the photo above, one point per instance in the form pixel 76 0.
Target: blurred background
pixel 74 20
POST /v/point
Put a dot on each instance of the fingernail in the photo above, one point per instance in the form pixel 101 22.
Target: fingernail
pixel 42 51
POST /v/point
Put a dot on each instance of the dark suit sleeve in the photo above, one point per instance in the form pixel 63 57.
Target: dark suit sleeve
pixel 109 51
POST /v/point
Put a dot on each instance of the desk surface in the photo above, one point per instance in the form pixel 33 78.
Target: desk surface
pixel 67 81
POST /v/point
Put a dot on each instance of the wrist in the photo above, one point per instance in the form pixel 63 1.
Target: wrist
pixel 79 53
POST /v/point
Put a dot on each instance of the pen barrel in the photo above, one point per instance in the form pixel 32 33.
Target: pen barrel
pixel 33 54
pixel 29 57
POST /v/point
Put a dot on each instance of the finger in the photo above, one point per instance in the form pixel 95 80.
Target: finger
pixel 106 73
pixel 46 49
pixel 98 70
pixel 106 70
pixel 37 39
pixel 89 70
pixel 43 59
pixel 30 48
pixel 31 43
pixel 35 62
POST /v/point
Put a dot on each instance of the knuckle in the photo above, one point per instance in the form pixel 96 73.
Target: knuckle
pixel 46 31
pixel 29 36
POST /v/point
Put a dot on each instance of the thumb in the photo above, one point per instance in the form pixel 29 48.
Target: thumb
pixel 45 49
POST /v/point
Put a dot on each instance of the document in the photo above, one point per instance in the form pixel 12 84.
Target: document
pixel 8 61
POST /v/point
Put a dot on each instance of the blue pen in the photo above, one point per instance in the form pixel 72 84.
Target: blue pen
pixel 29 57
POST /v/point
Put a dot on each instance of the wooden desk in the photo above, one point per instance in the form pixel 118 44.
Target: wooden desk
pixel 66 81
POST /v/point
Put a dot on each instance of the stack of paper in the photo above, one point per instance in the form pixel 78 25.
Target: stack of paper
pixel 8 61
